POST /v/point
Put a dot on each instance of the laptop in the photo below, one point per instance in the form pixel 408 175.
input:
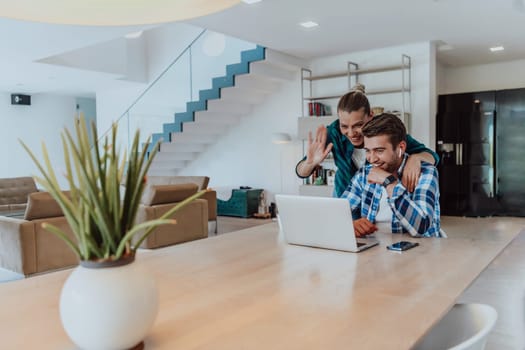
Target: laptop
pixel 319 222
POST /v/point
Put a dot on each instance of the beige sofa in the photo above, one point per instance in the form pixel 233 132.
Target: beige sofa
pixel 13 194
pixel 26 248
pixel 201 182
pixel 192 220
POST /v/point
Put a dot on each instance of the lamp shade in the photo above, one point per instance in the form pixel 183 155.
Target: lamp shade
pixel 281 137
pixel 110 12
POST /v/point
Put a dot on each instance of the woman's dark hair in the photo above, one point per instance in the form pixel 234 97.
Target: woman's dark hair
pixel 386 124
pixel 354 100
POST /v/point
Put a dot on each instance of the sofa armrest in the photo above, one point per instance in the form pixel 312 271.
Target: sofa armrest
pixel 192 223
pixel 211 197
pixel 12 243
pixel 27 248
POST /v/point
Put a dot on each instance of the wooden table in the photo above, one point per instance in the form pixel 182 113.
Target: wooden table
pixel 250 290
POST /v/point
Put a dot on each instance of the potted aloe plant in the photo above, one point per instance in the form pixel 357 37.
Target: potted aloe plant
pixel 108 301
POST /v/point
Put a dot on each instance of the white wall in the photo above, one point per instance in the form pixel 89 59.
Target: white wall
pixel 495 76
pixel 43 120
pixel 87 107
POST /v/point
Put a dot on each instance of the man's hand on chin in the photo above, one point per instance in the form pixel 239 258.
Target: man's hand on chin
pixel 377 175
pixel 363 227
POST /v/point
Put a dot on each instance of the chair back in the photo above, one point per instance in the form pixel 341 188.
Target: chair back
pixel 465 327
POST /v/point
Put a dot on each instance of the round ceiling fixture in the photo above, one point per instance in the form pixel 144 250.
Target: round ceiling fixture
pixel 110 12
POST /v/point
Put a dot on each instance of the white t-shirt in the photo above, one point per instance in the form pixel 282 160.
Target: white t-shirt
pixel 384 214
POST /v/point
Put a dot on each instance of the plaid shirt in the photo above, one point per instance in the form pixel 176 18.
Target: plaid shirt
pixel 416 213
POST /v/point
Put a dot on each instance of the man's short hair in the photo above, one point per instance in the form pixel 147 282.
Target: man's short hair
pixel 386 124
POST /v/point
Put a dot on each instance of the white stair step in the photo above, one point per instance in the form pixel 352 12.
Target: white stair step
pixel 181 146
pixel 283 60
pixel 251 82
pixel 191 138
pixel 270 72
pixel 203 128
pixel 229 107
pixel 175 156
pixel 176 164
pixel 239 94
pixel 218 118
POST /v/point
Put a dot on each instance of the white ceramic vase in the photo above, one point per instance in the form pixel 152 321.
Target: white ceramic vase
pixel 109 307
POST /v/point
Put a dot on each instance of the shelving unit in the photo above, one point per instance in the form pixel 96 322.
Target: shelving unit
pixel 353 72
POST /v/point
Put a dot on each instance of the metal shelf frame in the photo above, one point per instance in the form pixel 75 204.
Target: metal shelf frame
pixel 353 71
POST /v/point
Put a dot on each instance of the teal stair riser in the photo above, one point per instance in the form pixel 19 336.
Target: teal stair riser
pixel 232 70
pixel 238 68
pixel 223 82
pixel 256 54
pixel 210 94
pixel 154 139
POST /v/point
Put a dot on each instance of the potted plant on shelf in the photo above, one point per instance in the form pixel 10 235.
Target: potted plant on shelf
pixel 108 301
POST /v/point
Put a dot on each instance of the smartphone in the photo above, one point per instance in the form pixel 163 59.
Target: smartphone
pixel 401 246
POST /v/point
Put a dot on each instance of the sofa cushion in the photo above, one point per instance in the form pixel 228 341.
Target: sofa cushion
pixel 15 190
pixel 162 194
pixel 42 205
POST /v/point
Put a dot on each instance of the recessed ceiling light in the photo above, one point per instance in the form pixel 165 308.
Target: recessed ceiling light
pixel 249 2
pixel 309 24
pixel 497 48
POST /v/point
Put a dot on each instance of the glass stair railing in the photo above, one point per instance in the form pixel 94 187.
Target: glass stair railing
pixel 197 75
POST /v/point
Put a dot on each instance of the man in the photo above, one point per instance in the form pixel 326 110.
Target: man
pixel 344 139
pixel 376 192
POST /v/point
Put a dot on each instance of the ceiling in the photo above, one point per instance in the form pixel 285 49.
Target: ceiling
pixel 470 27
pixel 467 27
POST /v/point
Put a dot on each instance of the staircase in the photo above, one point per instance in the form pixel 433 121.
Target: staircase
pixel 245 85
